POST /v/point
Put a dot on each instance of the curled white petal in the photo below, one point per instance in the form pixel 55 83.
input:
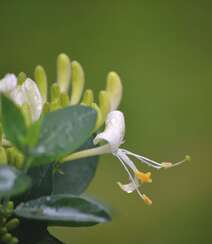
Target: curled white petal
pixel 114 130
pixel 33 98
pixel 8 83
pixel 28 93
pixel 130 187
pixel 17 95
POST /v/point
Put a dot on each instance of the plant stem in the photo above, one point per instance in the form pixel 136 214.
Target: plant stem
pixel 87 153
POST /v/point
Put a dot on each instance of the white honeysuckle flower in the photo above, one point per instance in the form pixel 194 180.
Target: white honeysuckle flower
pixel 8 83
pixel 114 132
pixel 114 135
pixel 26 93
pixel 33 98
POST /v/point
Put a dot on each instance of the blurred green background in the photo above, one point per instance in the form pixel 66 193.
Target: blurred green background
pixel 162 50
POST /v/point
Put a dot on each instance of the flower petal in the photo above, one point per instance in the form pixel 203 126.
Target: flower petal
pixel 130 187
pixel 8 83
pixel 114 131
pixel 33 98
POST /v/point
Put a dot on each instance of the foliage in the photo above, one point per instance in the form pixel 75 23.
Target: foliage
pixel 51 192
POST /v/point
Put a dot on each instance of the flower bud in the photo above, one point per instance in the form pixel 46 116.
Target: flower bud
pixel 12 224
pixel 114 88
pixel 64 100
pixel 63 72
pixel 3 156
pixel 55 92
pixel 41 80
pixel 21 78
pixel 88 97
pixel 104 105
pixel 77 83
pixel 99 116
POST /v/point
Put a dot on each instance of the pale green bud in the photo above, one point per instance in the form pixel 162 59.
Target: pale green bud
pixel 104 105
pixel 55 92
pixel 1 134
pixel 88 97
pixel 46 108
pixel 10 205
pixel 78 81
pixel 19 160
pixel 3 230
pixel 41 80
pixel 115 89
pixel 3 156
pixel 21 78
pixel 12 224
pixel 14 240
pixel 64 100
pixel 55 105
pixel 6 237
pixel 63 72
pixel 15 157
pixel 99 116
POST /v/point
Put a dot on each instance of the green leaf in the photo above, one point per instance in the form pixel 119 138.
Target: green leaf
pixel 49 239
pixel 64 210
pixel 12 181
pixel 34 232
pixel 13 123
pixel 33 133
pixel 41 185
pixel 63 131
pixel 75 176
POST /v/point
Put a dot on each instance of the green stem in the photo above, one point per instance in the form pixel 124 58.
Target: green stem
pixel 27 164
pixel 88 153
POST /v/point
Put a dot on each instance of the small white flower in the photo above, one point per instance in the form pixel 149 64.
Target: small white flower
pixel 8 83
pixel 26 93
pixel 114 135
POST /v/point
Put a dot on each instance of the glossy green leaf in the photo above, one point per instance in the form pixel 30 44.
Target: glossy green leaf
pixel 12 181
pixel 63 131
pixel 64 210
pixel 41 185
pixel 33 133
pixel 34 232
pixel 13 123
pixel 74 177
pixel 49 239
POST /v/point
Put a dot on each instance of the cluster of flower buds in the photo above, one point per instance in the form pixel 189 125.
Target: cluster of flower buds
pixel 35 98
pixel 68 90
pixel 7 224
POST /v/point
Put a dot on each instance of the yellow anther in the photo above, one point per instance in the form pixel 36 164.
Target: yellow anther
pixel 147 200
pixel 144 177
pixel 88 97
pixel 167 165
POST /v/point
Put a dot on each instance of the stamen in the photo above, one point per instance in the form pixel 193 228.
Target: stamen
pixel 131 178
pixel 147 200
pixel 144 177
pixel 155 164
pixel 167 165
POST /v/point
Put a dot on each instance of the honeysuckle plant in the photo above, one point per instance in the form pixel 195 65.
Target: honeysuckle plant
pixel 51 137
